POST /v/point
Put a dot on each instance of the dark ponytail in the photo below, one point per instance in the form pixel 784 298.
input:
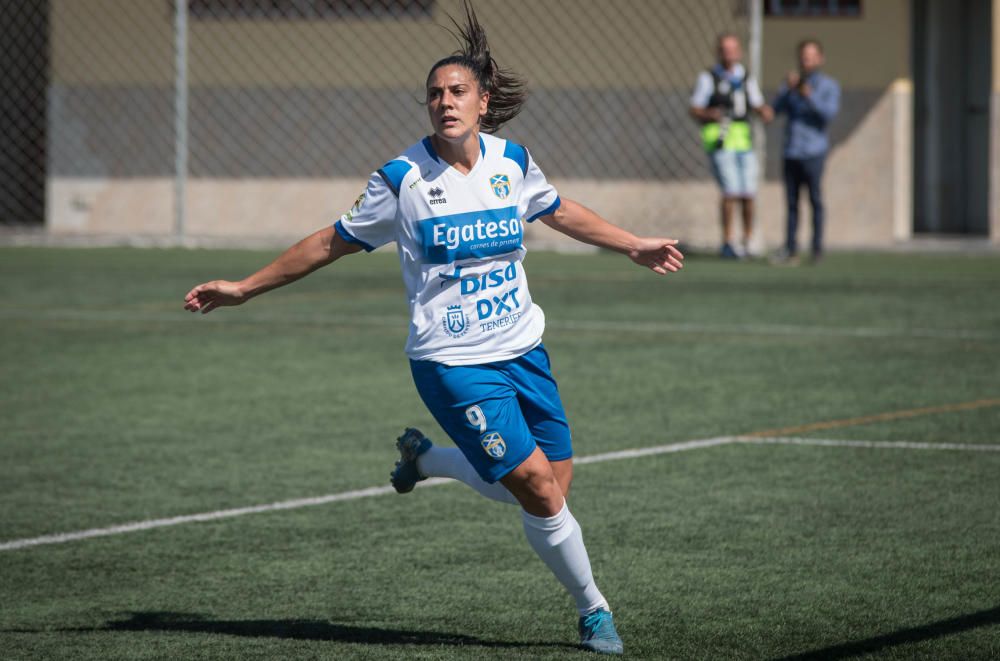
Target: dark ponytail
pixel 507 90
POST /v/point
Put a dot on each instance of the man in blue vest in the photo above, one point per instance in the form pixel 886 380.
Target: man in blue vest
pixel 722 101
pixel 811 99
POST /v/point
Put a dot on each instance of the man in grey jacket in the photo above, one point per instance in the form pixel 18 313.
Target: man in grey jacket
pixel 810 99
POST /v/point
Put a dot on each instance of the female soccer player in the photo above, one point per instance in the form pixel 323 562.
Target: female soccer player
pixel 455 204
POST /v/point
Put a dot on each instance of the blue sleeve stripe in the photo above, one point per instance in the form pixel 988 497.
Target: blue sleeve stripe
pixel 392 174
pixel 388 182
pixel 552 208
pixel 518 154
pixel 429 147
pixel 350 238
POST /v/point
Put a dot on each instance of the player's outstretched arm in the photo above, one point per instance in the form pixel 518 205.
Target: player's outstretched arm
pixel 579 222
pixel 314 251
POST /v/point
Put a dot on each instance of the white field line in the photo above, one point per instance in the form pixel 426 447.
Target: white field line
pixel 656 449
pixel 891 445
pixel 389 321
pixel 370 492
pixel 774 329
pixel 59 538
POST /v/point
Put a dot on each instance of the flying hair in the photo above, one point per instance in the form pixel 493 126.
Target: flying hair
pixel 507 90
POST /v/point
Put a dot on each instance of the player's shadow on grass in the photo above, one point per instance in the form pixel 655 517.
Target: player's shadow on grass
pixel 928 631
pixel 304 630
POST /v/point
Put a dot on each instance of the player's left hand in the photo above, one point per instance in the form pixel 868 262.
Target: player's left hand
pixel 659 255
pixel 210 295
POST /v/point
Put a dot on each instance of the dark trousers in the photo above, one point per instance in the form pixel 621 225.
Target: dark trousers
pixel 807 171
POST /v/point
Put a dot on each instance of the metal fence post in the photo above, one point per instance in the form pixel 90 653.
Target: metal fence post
pixel 180 118
pixel 756 43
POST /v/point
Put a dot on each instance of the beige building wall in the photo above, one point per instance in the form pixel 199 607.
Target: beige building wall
pixel 866 52
pixel 867 183
pixel 111 42
pixel 107 45
pixel 995 130
pixel 130 41
pixel 868 180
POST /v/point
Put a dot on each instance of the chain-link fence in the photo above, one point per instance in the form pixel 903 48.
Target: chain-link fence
pixel 24 35
pixel 327 89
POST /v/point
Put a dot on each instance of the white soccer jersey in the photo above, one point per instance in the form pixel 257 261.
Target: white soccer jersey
pixel 460 244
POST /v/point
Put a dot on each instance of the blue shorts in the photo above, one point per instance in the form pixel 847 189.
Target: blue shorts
pixel 497 413
pixel 736 172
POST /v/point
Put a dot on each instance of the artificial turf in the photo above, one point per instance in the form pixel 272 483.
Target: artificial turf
pixel 118 406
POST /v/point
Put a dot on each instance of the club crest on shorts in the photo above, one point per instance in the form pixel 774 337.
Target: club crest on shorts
pixel 501 185
pixel 493 444
pixel 456 324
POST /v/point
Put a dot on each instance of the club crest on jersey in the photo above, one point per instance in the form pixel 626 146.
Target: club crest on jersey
pixel 456 324
pixel 501 185
pixel 493 444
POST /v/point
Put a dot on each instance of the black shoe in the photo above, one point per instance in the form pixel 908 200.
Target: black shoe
pixel 784 258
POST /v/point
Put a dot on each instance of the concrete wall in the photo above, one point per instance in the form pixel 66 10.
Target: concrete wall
pixel 866 52
pixel 116 191
pixel 995 130
pixel 868 181
pixel 301 110
pixel 580 43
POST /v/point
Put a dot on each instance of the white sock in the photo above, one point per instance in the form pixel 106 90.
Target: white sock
pixel 558 541
pixel 450 462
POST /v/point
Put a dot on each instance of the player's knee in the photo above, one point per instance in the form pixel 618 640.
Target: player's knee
pixel 537 490
pixel 545 504
pixel 539 484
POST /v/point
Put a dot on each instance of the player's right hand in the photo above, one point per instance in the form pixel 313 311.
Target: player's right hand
pixel 210 295
pixel 659 255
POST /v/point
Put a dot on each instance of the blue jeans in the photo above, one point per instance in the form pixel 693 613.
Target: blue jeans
pixel 806 171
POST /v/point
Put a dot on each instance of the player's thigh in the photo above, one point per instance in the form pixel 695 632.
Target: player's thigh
pixel 541 404
pixel 478 408
pixel 535 486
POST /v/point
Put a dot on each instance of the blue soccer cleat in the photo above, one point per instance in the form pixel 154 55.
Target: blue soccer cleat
pixel 411 445
pixel 598 634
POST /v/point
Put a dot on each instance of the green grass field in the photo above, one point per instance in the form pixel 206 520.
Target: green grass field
pixel 117 406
